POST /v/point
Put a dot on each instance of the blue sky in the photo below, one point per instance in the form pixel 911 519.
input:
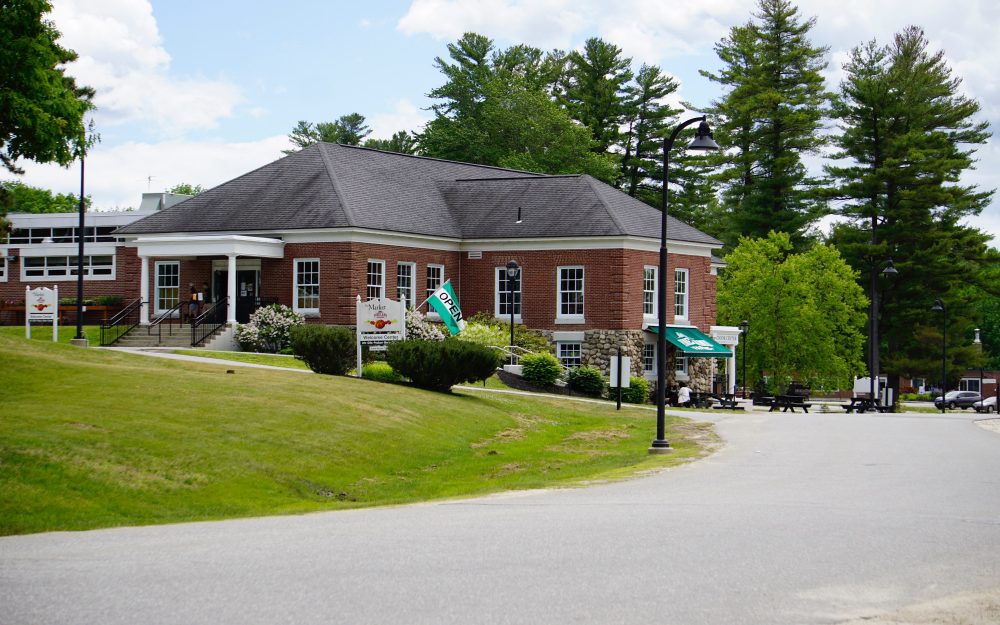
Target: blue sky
pixel 202 91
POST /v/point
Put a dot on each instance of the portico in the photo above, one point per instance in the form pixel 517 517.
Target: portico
pixel 231 247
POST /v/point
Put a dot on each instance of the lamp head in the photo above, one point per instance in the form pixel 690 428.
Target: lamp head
pixel 512 268
pixel 890 269
pixel 938 306
pixel 703 139
pixel 744 325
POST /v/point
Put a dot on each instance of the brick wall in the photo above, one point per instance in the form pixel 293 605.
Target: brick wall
pixel 612 281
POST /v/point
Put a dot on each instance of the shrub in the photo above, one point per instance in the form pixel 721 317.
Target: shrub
pixel 268 330
pixel 483 334
pixel 419 329
pixel 108 300
pixel 543 369
pixel 325 349
pixel 439 365
pixel 637 391
pixel 531 340
pixel 380 372
pixel 586 380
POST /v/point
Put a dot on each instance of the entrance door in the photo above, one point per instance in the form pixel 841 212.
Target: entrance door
pixel 247 288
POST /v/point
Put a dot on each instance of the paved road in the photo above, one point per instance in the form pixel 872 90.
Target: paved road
pixel 800 519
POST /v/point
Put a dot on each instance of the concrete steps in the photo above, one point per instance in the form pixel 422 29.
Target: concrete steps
pixel 181 338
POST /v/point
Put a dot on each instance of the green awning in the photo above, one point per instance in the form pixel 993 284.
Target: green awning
pixel 693 343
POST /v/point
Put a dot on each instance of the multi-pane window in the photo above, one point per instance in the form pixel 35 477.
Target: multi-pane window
pixel 649 358
pixel 649 291
pixel 376 279
pixel 404 284
pixel 968 385
pixel 504 297
pixel 681 293
pixel 3 265
pixel 435 277
pixel 570 292
pixel 91 234
pixel 168 285
pixel 65 267
pixel 681 364
pixel 307 285
pixel 569 354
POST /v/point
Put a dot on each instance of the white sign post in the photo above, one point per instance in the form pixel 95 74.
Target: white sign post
pixel 41 305
pixel 626 377
pixel 379 322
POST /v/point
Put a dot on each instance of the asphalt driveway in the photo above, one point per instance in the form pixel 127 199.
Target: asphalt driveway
pixel 799 519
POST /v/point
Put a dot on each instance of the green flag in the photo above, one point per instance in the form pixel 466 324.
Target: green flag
pixel 446 304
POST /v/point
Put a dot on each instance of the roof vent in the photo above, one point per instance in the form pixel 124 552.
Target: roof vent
pixel 518 215
pixel 475 255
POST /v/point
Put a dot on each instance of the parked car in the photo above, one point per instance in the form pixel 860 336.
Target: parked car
pixel 988 405
pixel 957 399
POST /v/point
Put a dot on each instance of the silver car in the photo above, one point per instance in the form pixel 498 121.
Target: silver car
pixel 988 405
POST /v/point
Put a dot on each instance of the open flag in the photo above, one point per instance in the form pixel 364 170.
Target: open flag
pixel 446 304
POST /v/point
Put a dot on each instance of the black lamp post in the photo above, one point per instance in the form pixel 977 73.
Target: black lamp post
pixel 939 307
pixel 702 141
pixel 512 272
pixel 873 346
pixel 744 333
pixel 79 260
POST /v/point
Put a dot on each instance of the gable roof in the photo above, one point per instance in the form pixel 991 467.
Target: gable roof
pixel 334 186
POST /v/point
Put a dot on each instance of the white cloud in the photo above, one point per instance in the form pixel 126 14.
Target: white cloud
pixel 122 57
pixel 116 177
pixel 403 116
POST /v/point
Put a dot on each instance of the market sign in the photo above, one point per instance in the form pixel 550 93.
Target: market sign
pixel 379 322
pixel 41 306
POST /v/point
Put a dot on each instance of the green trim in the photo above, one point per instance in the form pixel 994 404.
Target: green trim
pixel 693 343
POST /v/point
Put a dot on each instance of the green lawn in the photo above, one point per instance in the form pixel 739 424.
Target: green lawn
pixel 93 438
pixel 274 360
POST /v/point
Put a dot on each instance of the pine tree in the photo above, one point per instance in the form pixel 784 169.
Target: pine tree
pixel 595 93
pixel 904 132
pixel 648 120
pixel 770 116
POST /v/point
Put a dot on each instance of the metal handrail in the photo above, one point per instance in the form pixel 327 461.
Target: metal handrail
pixel 168 316
pixel 206 324
pixel 121 322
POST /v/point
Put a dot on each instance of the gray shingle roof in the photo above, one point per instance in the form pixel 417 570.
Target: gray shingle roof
pixel 334 186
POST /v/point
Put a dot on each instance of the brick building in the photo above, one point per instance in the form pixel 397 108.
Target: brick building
pixel 317 228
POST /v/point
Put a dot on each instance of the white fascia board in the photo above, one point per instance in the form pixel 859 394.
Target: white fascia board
pixel 685 248
pixel 211 245
pixel 67 249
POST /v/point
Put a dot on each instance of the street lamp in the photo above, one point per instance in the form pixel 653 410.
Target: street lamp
pixel 744 333
pixel 512 272
pixel 702 141
pixel 939 307
pixel 873 347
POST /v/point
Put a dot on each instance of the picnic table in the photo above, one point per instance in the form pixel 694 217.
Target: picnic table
pixel 726 401
pixel 788 403
pixel 864 404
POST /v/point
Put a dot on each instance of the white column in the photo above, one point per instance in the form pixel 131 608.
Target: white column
pixel 231 291
pixel 731 370
pixel 144 290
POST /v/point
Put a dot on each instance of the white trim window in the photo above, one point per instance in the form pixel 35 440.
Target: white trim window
pixel 404 284
pixel 375 284
pixel 3 265
pixel 305 288
pixel 649 359
pixel 569 305
pixel 435 278
pixel 649 292
pixel 681 367
pixel 167 285
pixel 681 293
pixel 502 294
pixel 95 267
pixel 570 354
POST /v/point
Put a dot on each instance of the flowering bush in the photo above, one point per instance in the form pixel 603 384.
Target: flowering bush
pixel 419 329
pixel 268 330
